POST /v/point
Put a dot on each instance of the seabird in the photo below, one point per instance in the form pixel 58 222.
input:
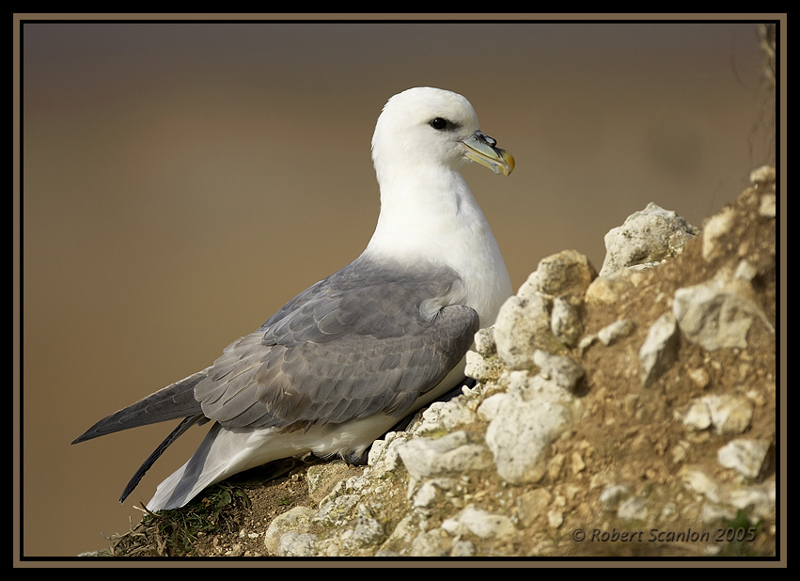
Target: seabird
pixel 347 358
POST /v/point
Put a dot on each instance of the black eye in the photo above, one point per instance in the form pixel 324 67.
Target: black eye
pixel 438 123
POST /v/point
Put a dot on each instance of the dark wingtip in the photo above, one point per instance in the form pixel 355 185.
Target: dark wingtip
pixel 89 434
pixel 169 403
pixel 174 435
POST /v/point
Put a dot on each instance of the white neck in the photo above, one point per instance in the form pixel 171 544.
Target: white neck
pixel 431 217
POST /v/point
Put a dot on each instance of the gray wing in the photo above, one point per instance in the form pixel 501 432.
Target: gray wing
pixel 363 341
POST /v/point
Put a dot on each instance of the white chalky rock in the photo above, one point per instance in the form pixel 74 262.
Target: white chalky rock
pixel 745 456
pixel 718 313
pixel 524 422
pixel 646 237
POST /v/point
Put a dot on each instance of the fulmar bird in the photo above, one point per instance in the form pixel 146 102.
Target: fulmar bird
pixel 346 359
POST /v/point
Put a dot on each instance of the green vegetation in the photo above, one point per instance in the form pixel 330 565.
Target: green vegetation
pixel 177 530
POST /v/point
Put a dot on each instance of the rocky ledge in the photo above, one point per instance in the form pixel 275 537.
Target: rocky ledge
pixel 630 412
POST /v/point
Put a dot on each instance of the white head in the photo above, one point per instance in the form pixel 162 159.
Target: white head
pixel 425 127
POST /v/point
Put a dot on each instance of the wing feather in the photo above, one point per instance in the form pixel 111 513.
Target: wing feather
pixel 356 344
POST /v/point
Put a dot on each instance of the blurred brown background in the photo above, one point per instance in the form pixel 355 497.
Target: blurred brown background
pixel 182 181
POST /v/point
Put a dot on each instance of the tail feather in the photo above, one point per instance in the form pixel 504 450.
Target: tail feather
pixel 228 451
pixel 174 435
pixel 222 453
